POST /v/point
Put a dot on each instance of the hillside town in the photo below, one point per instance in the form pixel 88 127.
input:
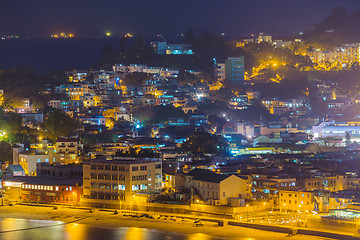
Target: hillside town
pixel 221 142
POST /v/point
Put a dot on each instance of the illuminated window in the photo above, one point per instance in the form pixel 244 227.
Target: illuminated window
pixel 56 188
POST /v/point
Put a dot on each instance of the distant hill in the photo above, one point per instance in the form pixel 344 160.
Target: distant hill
pixel 338 28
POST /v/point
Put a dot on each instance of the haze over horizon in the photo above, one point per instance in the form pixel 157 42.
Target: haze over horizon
pixel 233 17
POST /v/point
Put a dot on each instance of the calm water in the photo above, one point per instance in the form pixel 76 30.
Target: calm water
pixel 49 54
pixel 54 230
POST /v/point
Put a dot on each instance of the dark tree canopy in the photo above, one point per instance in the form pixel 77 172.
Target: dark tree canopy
pixel 143 153
pixel 58 124
pixel 205 143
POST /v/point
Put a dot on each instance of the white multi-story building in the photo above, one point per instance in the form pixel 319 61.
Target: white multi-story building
pixel 337 129
pixel 165 72
pixel 220 71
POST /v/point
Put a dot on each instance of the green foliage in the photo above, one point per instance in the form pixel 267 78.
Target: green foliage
pixel 338 28
pixel 58 124
pixel 205 143
pixel 216 107
pixel 157 114
pixel 5 152
pixel 143 153
pixel 24 82
pixel 217 122
pixel 136 78
pixel 347 138
pixel 10 122
pixel 103 137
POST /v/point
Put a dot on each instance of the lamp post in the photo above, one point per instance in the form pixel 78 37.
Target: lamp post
pixel 247 212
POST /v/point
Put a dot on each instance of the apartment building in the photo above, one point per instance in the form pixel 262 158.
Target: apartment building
pixel 296 201
pixel 120 178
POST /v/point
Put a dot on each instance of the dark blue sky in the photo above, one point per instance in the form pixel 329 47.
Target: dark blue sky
pixel 40 18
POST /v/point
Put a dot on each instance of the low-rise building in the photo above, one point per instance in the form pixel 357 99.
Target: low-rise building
pixel 59 171
pixel 42 190
pixel 28 161
pixel 216 188
pixel 302 201
pixel 120 178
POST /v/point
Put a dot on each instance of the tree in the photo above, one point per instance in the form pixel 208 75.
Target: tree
pixel 143 153
pixel 136 78
pixel 5 152
pixel 205 143
pixel 157 114
pixel 347 138
pixel 58 124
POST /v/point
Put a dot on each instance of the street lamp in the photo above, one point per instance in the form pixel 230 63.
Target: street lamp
pixel 247 212
pixel 2 135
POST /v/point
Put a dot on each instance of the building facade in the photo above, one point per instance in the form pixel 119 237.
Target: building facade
pixel 120 178
pixel 235 69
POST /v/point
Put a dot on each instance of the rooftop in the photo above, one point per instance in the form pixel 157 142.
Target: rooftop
pixel 206 175
pixel 43 181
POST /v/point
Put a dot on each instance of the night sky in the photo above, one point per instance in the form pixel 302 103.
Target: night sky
pixel 40 18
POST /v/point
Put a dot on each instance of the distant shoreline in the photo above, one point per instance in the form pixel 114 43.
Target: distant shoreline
pixel 113 221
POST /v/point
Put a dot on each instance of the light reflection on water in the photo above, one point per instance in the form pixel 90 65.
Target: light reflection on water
pixel 54 230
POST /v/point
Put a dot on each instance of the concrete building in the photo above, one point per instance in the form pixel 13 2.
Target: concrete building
pixel 28 161
pixel 216 188
pixel 337 130
pixel 58 171
pixel 239 102
pixel 332 183
pixel 296 201
pixel 1 96
pixel 235 69
pixel 42 190
pixel 264 38
pixel 344 55
pixel 120 178
pixel 165 48
pixel 231 128
pixel 270 187
pixel 220 71
pixel 68 145
pixel 15 170
pixel 277 128
pixel 59 104
pixel 69 149
pixel 281 43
